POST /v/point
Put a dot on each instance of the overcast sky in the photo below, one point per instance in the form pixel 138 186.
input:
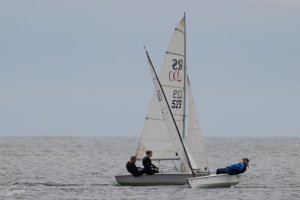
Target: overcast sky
pixel 79 67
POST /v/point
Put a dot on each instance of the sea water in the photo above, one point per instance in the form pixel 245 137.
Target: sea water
pixel 84 168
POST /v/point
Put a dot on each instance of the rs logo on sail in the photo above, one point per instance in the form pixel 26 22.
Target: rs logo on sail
pixel 176 66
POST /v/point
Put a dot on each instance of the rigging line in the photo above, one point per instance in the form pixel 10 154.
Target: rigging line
pixel 175 166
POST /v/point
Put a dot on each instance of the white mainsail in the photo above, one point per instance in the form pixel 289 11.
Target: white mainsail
pixel 170 120
pixel 155 134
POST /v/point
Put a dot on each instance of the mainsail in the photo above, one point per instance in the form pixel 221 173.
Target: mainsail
pixel 170 120
pixel 155 134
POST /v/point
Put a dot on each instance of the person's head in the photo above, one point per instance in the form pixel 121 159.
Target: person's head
pixel 245 160
pixel 133 158
pixel 149 153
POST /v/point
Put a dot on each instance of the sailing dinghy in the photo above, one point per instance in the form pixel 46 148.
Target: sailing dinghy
pixel 165 133
pixel 214 181
pixel 156 135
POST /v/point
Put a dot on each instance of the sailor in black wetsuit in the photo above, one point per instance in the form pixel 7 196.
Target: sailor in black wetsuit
pixel 148 166
pixel 132 168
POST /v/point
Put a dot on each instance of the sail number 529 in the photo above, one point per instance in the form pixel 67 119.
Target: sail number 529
pixel 176 104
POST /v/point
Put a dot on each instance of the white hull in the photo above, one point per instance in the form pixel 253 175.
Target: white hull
pixel 155 179
pixel 214 181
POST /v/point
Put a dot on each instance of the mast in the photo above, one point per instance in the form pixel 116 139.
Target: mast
pixel 184 87
pixel 164 99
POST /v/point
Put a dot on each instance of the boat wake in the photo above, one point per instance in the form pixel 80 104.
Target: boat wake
pixel 50 184
pixel 53 184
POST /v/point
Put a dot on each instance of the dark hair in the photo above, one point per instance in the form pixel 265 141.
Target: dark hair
pixel 133 158
pixel 148 152
pixel 246 159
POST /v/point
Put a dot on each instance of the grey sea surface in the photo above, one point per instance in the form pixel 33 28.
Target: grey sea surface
pixel 84 168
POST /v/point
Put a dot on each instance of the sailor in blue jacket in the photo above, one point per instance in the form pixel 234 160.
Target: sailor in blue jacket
pixel 235 168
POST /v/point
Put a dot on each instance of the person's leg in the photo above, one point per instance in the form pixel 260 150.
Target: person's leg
pixel 223 171
pixel 141 172
pixel 149 172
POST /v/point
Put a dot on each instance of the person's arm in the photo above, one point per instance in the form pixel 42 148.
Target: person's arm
pixel 154 166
